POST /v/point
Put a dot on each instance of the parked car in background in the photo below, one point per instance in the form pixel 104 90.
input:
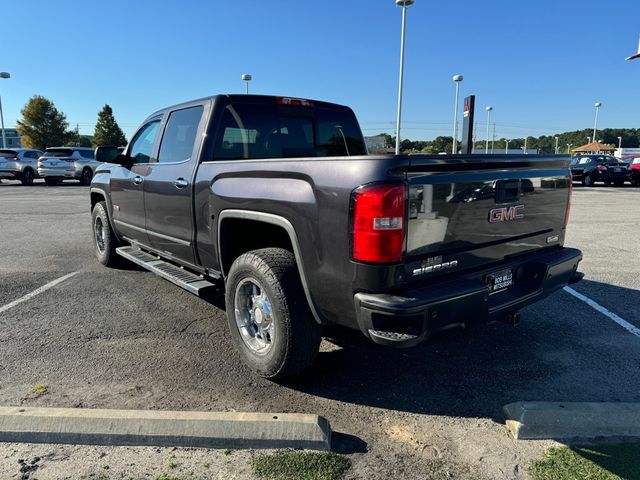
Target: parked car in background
pixel 19 164
pixel 67 163
pixel 589 169
pixel 634 171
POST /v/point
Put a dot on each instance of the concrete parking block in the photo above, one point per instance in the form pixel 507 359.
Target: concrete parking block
pixel 164 428
pixel 567 420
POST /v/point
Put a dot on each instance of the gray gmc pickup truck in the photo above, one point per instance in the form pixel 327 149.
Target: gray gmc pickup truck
pixel 275 200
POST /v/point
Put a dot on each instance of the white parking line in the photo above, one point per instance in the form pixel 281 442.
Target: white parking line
pixel 37 291
pixel 596 306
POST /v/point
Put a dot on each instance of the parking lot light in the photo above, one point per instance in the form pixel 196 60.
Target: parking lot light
pixel 595 123
pixel 4 138
pixel 506 149
pixel 457 79
pixel 569 145
pixel 486 145
pixel 246 78
pixel 557 138
pixel 619 143
pixel 404 4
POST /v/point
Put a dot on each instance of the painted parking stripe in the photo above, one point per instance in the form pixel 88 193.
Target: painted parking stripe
pixel 37 291
pixel 596 306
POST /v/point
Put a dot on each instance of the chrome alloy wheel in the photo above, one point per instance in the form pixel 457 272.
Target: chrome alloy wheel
pixel 253 316
pixel 98 228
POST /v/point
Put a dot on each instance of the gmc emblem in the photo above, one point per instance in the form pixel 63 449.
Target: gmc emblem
pixel 506 214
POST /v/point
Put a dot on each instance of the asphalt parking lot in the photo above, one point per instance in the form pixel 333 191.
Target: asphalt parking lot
pixel 128 339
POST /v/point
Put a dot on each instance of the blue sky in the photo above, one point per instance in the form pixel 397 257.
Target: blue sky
pixel 541 64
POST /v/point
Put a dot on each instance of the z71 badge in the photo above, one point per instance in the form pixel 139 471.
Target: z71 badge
pixel 434 264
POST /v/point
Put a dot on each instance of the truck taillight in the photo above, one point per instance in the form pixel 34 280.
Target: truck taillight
pixel 566 215
pixel 378 223
pixel 294 102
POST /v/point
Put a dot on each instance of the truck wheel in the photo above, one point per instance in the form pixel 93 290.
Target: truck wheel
pixel 85 178
pixel 104 240
pixel 268 314
pixel 587 181
pixel 27 177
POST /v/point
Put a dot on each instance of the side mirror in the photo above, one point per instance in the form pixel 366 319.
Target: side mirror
pixel 106 154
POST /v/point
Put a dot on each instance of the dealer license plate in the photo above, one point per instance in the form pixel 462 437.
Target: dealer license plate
pixel 500 281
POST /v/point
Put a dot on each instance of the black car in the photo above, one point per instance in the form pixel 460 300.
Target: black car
pixel 589 169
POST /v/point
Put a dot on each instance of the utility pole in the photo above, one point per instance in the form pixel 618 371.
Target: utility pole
pixel 77 134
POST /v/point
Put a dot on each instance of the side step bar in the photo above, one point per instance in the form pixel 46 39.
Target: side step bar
pixel 181 277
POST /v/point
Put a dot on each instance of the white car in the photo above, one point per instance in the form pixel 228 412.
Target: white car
pixel 19 164
pixel 67 163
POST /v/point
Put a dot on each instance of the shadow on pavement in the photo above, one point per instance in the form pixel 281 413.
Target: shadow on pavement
pixel 563 350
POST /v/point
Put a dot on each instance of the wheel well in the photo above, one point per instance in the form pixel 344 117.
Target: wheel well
pixel 238 235
pixel 95 198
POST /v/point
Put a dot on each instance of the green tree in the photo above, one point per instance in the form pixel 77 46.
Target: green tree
pixel 42 125
pixel 107 131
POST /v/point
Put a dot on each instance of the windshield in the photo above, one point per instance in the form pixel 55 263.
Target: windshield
pixel 58 152
pixel 8 153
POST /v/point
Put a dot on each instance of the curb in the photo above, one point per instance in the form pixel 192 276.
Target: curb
pixel 164 428
pixel 567 420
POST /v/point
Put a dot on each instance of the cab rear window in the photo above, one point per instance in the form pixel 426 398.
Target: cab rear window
pixel 58 152
pixel 264 131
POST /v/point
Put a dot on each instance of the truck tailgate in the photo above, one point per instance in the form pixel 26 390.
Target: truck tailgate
pixel 471 211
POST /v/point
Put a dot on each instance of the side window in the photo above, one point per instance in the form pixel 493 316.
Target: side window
pixel 180 135
pixel 248 131
pixel 142 144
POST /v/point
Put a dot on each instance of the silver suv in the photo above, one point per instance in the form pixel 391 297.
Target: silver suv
pixel 19 164
pixel 67 163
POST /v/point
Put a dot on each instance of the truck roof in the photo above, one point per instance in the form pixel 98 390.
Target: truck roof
pixel 250 98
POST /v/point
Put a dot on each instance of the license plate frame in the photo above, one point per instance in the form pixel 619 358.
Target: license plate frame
pixel 499 281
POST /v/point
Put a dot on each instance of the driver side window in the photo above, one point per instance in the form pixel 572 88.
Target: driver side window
pixel 142 144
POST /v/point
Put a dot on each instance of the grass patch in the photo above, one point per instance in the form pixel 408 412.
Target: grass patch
pixel 39 390
pixel 172 463
pixel 299 465
pixel 602 462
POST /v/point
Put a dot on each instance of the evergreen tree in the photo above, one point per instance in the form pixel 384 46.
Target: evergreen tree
pixel 107 132
pixel 42 125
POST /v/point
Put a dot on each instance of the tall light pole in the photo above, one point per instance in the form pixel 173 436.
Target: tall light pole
pixel 246 78
pixel 4 138
pixel 506 149
pixel 595 123
pixel 619 143
pixel 588 139
pixel 457 79
pixel 569 145
pixel 404 4
pixel 524 149
pixel 557 138
pixel 486 145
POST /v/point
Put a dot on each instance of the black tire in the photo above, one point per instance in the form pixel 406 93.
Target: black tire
pixel 635 183
pixel 618 183
pixel 27 177
pixel 51 182
pixel 587 181
pixel 86 176
pixel 294 336
pixel 104 240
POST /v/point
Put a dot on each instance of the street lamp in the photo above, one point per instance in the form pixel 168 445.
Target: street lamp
pixel 4 138
pixel 588 139
pixel 457 79
pixel 246 78
pixel 569 145
pixel 486 145
pixel 404 4
pixel 619 143
pixel 506 149
pixel 595 123
pixel 557 138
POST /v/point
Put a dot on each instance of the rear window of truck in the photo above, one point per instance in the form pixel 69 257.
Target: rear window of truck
pixel 58 152
pixel 264 131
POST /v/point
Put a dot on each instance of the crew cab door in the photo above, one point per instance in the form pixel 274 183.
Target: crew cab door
pixel 127 183
pixel 168 185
